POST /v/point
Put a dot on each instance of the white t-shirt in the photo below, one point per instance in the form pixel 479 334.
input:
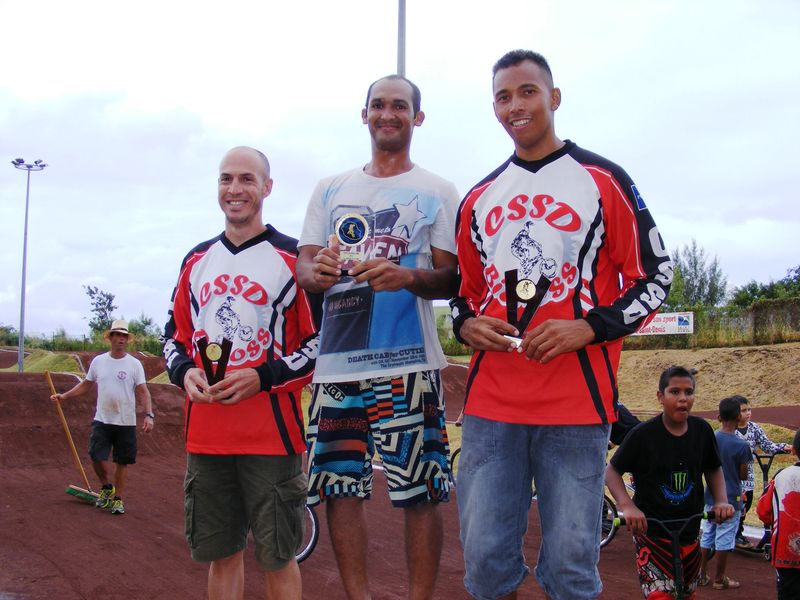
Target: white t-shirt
pixel 369 334
pixel 116 380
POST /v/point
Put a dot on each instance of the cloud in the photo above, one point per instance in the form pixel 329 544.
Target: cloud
pixel 694 100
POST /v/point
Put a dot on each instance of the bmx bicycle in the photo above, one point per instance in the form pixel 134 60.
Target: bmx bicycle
pixel 762 547
pixel 681 590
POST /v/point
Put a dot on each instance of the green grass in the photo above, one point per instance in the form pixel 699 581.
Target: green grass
pixel 162 378
pixel 39 361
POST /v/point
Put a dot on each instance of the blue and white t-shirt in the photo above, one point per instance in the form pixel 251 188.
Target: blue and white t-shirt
pixel 370 334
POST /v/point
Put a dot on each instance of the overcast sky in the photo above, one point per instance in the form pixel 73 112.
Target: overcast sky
pixel 133 104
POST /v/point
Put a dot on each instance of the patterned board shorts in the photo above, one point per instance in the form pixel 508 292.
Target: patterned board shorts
pixel 655 568
pixel 401 417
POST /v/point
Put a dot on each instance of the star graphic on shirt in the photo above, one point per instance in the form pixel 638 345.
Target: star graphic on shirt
pixel 408 216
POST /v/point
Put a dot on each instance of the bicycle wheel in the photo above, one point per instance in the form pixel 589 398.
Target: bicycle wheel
pixel 310 537
pixel 608 529
pixel 454 463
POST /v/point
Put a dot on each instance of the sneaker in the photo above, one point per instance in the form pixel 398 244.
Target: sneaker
pixel 703 579
pixel 106 497
pixel 726 584
pixel 117 508
pixel 743 543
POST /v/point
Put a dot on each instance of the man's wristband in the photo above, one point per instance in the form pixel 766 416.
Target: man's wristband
pixel 151 415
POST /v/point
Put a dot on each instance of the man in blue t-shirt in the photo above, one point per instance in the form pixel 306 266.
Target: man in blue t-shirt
pixel 379 241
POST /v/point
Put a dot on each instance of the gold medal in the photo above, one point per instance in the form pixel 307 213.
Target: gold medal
pixel 525 289
pixel 213 352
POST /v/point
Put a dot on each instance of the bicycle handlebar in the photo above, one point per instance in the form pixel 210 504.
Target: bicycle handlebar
pixel 681 590
pixel 708 515
pixel 765 463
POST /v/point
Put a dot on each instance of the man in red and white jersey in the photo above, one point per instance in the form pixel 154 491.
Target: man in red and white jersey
pixel 237 309
pixel 559 260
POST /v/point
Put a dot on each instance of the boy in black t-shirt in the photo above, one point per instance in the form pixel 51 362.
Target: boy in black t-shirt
pixel 668 457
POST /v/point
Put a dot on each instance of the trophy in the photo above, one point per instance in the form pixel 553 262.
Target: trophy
pixel 526 292
pixel 214 353
pixel 352 231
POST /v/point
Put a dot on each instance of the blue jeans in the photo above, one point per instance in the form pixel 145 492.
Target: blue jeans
pixel 498 463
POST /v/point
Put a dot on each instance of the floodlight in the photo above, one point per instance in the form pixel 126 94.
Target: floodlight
pixel 38 165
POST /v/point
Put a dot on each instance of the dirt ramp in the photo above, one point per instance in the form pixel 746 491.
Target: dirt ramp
pixel 8 358
pixel 153 365
pixel 31 431
pixel 54 546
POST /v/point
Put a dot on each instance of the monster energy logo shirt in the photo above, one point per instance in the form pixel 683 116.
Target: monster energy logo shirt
pixel 668 469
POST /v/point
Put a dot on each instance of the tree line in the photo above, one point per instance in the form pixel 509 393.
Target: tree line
pixel 754 313
pixel 698 281
pixel 699 285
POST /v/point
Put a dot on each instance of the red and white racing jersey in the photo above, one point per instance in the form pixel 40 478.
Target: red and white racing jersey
pixel 575 222
pixel 246 294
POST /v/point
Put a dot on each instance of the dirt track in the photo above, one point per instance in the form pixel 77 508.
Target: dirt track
pixel 53 546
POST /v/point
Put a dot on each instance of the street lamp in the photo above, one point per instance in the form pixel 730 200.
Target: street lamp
pixel 38 165
pixel 401 38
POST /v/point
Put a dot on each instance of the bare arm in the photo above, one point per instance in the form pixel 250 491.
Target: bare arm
pixel 634 518
pixel 439 283
pixel 319 268
pixel 743 471
pixel 715 480
pixel 385 275
pixel 143 397
pixel 81 388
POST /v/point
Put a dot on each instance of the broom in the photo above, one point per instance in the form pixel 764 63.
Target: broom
pixel 85 494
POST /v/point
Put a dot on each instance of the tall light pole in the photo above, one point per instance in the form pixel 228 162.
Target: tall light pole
pixel 401 38
pixel 38 165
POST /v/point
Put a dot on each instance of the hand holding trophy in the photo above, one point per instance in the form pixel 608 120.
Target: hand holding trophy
pixel 352 231
pixel 526 292
pixel 214 354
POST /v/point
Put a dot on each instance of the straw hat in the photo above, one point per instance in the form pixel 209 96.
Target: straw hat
pixel 118 326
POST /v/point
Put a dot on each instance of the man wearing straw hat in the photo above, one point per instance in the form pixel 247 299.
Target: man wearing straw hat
pixel 120 383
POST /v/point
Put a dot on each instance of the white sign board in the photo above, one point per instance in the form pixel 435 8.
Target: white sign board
pixel 669 323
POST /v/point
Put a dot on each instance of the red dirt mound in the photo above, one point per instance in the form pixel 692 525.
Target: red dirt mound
pixel 54 546
pixel 8 358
